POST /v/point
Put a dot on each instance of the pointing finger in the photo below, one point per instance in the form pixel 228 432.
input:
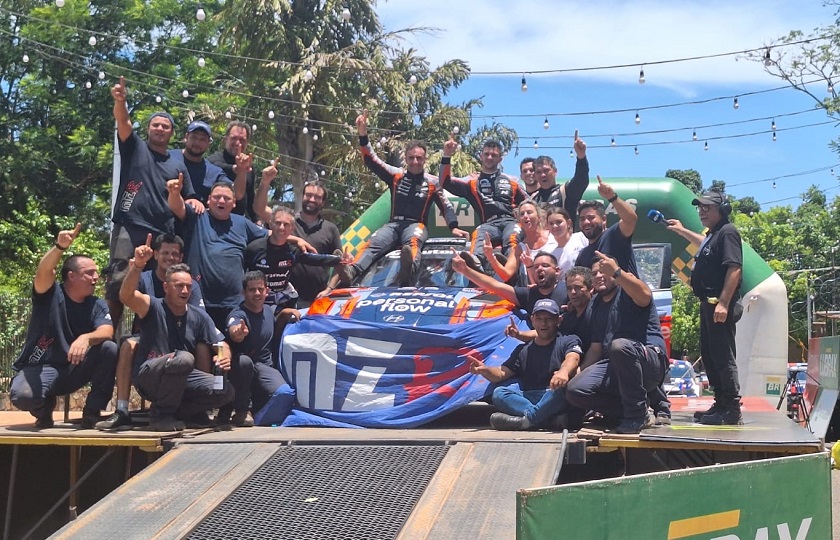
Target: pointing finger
pixel 149 240
pixel 122 81
pixel 576 134
pixel 512 322
pixel 76 230
pixel 598 176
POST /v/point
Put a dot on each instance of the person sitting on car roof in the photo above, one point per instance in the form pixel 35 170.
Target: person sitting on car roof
pixel 412 191
pixel 544 368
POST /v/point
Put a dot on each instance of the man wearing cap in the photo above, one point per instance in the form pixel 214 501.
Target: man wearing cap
pixel 141 203
pixel 616 240
pixel 203 174
pixel 715 280
pixel 544 367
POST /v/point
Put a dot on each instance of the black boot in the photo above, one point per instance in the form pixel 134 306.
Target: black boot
pixel 711 410
pixel 729 414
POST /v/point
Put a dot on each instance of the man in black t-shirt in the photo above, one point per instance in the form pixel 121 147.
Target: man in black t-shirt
pixel 625 360
pixel 172 364
pixel 543 367
pixel 615 241
pixel 237 165
pixel 568 194
pixel 203 174
pixel 716 280
pixel 68 341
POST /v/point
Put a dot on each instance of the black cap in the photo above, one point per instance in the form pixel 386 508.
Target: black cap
pixel 199 125
pixel 710 197
pixel 547 305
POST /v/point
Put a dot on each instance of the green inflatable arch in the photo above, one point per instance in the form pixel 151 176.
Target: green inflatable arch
pixel 762 331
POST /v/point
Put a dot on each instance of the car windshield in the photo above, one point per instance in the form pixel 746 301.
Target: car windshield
pixel 651 261
pixel 681 370
pixel 435 271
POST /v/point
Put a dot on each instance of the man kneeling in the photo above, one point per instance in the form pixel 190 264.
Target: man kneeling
pixel 544 367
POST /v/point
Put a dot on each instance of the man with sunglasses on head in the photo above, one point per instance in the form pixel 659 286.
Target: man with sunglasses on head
pixel 716 280
pixel 616 240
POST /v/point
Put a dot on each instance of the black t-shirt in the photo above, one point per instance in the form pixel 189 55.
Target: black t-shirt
pixel 578 325
pixel 151 285
pixel 719 250
pixel 257 344
pixel 203 174
pixel 612 242
pixel 244 206
pixel 526 297
pixel 324 237
pixel 620 318
pixel 163 332
pixel 55 324
pixel 536 364
pixel 142 198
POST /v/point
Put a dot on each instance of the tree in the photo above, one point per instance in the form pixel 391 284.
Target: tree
pixel 747 205
pixel 685 321
pixel 688 177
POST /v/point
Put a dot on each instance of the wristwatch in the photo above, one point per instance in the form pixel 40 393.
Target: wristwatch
pixel 617 273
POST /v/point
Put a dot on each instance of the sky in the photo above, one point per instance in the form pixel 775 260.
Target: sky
pixel 526 36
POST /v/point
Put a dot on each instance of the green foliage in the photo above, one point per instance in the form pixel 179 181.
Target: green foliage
pixel 685 321
pixel 688 177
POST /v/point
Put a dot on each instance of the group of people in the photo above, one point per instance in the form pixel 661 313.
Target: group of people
pixel 213 274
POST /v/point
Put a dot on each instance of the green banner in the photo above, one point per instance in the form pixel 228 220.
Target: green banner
pixel 786 498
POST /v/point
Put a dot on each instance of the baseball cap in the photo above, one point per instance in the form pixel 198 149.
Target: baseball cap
pixel 163 114
pixel 195 126
pixel 547 305
pixel 710 197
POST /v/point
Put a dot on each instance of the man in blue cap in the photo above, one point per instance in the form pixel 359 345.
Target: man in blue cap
pixel 141 204
pixel 203 174
pixel 544 367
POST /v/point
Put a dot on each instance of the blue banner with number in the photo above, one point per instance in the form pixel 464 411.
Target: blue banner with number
pixel 348 373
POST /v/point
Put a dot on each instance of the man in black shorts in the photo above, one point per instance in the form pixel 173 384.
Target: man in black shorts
pixel 68 341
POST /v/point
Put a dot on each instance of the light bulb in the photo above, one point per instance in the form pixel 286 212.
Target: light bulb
pixel 524 84
pixel 638 119
pixel 201 62
pixel 88 85
pixel 767 60
pixel 185 93
pixel 536 144
pixel 642 75
pixel 378 144
pixel 305 130
pixel 636 150
pixel 323 173
pixel 458 148
pixel 303 106
pixel 735 104
pixel 315 137
pixel 545 124
pixel 228 115
pixel 706 145
pixel 253 128
pixel 832 172
pixel 271 114
pixel 456 130
pixel 612 141
pixel 774 185
pixel 25 58
pixel 383 140
pixel 774 136
pixel 773 126
pixel 308 76
pixel 59 3
pixel 571 153
pixel 92 41
pixel 345 14
pixel 158 99
pixel 101 75
pixel 200 14
pixel 412 79
pixel 694 135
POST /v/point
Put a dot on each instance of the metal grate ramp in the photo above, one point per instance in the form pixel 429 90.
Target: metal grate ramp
pixel 323 493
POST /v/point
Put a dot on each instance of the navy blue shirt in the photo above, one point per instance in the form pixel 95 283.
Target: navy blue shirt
pixel 151 285
pixel 142 198
pixel 536 364
pixel 257 344
pixel 621 318
pixel 612 242
pixel 162 332
pixel 526 297
pixel 55 324
pixel 203 174
pixel 216 254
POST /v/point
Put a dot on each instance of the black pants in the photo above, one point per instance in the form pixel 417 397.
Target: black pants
pixel 176 388
pixel 254 382
pixel 717 346
pixel 617 386
pixel 35 387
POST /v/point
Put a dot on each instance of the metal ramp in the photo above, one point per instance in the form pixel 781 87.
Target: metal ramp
pixel 275 490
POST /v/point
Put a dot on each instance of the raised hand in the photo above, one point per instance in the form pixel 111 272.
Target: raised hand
pixel 512 330
pixel 65 238
pixel 118 92
pixel 238 332
pixel 270 172
pixel 362 123
pixel 143 253
pixel 458 263
pixel 605 190
pixel 243 162
pixel 450 147
pixel 608 264
pixel 580 146
pixel 175 185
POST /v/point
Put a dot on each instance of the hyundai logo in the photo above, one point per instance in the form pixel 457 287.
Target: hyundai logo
pixel 394 318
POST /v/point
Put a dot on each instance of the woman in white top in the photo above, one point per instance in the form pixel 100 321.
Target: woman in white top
pixel 537 238
pixel 568 244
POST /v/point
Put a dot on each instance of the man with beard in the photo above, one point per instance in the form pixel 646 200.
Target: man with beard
pixel 203 174
pixel 626 357
pixel 568 194
pixel 543 367
pixel 493 196
pixel 236 163
pixel 412 193
pixel 308 280
pixel 615 241
pixel 141 206
pixel 216 242
pixel 526 174
pixel 545 274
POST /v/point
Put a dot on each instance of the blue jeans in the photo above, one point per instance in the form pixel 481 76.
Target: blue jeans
pixel 535 405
